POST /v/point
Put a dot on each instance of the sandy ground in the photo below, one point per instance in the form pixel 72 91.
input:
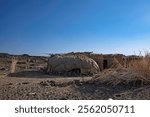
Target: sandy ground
pixel 12 88
pixel 35 85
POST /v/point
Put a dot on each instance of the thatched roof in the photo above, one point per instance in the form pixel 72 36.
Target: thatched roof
pixel 66 63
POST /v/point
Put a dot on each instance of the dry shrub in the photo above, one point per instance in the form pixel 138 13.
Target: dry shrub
pixel 116 76
pixel 142 66
pixel 13 65
pixel 137 73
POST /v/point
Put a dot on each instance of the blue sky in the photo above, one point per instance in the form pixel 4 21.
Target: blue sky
pixel 37 27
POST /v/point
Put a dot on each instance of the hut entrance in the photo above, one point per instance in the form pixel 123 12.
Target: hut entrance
pixel 74 72
pixel 105 64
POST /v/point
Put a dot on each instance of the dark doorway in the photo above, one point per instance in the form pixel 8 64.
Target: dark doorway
pixel 105 64
pixel 75 72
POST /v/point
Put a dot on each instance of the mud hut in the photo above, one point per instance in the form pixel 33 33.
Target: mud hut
pixel 72 65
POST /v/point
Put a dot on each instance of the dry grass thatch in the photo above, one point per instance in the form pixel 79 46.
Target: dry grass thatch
pixel 119 76
pixel 142 66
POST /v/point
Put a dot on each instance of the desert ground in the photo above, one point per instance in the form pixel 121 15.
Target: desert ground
pixel 38 86
pixel 34 84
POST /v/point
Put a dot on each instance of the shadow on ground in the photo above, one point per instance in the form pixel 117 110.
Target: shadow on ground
pixel 31 74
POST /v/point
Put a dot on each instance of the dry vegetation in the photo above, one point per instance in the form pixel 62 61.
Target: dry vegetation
pixel 142 66
pixel 116 82
pixel 13 65
pixel 137 74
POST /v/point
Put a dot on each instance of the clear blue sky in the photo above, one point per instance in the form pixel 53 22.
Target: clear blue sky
pixel 57 26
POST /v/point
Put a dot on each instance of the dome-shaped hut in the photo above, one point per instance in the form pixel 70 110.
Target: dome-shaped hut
pixel 72 64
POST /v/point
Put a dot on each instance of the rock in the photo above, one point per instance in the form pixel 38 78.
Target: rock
pixel 2 69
